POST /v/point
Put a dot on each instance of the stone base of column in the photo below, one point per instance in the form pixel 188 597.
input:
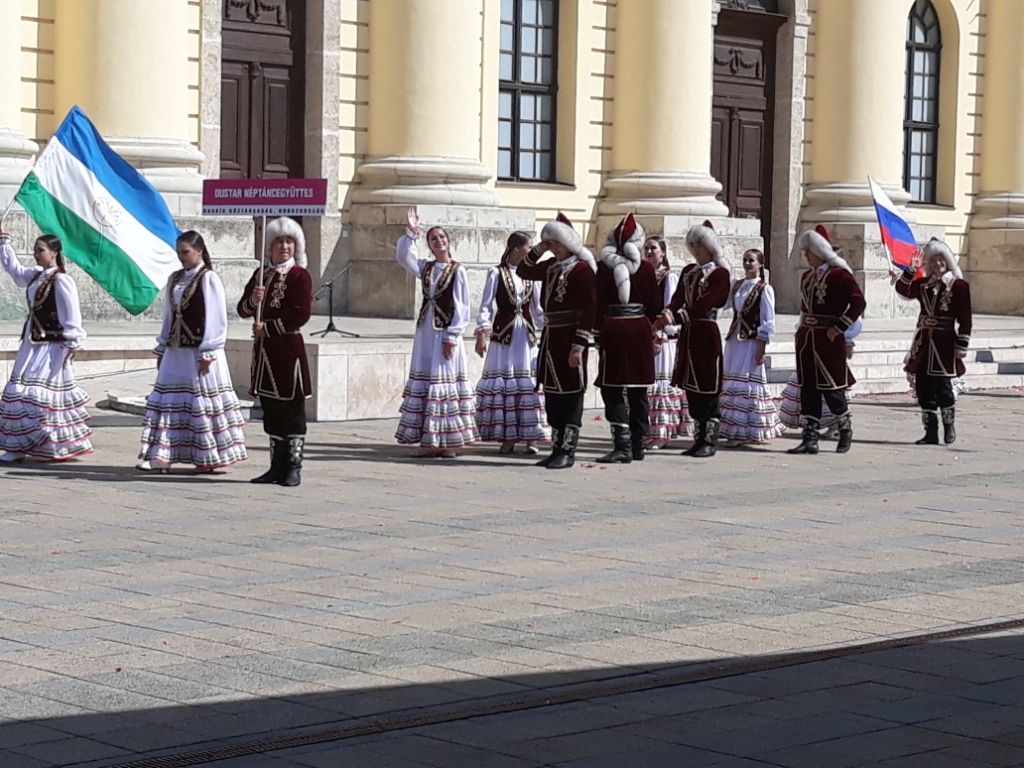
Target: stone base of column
pixel 376 286
pixel 171 165
pixel 994 262
pixel 16 152
pixel 669 193
pixel 417 180
pixel 848 201
pixel 861 246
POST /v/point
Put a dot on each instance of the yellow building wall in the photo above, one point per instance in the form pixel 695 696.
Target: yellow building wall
pixel 353 95
pixel 37 87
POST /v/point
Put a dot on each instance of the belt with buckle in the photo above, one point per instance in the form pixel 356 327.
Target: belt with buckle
pixel 613 311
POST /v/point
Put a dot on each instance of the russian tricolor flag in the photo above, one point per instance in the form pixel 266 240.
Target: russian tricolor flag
pixel 896 234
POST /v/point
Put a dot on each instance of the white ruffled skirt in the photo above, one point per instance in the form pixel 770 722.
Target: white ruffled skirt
pixel 670 416
pixel 42 410
pixel 789 407
pixel 193 419
pixel 508 407
pixel 439 402
pixel 749 414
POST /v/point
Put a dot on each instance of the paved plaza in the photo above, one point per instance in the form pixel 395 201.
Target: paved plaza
pixel 757 609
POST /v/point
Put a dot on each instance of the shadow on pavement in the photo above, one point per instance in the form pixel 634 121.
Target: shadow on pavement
pixel 937 700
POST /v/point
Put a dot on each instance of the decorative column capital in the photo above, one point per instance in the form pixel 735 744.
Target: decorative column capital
pixel 665 193
pixel 424 180
pixel 849 202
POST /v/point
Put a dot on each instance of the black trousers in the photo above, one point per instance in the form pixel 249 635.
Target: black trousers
pixel 564 410
pixel 810 401
pixel 703 407
pixel 934 392
pixel 637 415
pixel 284 418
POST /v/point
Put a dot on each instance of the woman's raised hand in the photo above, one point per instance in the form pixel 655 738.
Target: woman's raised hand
pixel 413 220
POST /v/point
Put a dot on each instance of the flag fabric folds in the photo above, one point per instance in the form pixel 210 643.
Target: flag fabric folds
pixel 111 220
pixel 897 236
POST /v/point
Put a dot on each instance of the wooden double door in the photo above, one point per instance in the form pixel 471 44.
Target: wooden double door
pixel 743 114
pixel 262 89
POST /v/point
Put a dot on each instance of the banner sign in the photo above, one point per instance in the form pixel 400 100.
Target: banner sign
pixel 264 197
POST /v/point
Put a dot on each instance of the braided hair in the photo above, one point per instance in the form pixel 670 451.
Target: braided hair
pixel 195 240
pixel 516 240
pixel 54 244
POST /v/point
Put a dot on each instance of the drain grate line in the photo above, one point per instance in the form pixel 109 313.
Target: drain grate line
pixel 645 681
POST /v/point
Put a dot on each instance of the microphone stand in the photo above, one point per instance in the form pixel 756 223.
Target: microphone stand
pixel 331 328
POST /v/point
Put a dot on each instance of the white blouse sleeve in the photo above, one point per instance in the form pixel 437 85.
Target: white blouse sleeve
pixel 69 311
pixel 408 255
pixel 22 275
pixel 766 330
pixel 536 310
pixel 216 332
pixel 852 332
pixel 165 327
pixel 460 318
pixel 485 317
pixel 671 283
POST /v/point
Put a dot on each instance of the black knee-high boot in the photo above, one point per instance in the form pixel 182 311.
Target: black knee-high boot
pixel 930 419
pixel 278 462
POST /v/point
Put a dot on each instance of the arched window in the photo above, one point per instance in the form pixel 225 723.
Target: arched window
pixel 527 90
pixel 921 109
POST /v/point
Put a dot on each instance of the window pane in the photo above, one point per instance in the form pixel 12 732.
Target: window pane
pixel 507 37
pixel 526 107
pixel 504 163
pixel 544 103
pixel 544 166
pixel 545 136
pixel 547 71
pixel 547 41
pixel 505 66
pixel 505 134
pixel 915 166
pixel 529 40
pixel 526 165
pixel 526 136
pixel 915 141
pixel 546 17
pixel 529 11
pixel 508 10
pixel 528 69
pixel 505 105
pixel 915 190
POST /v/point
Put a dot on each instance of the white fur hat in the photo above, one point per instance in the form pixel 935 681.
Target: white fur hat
pixel 704 234
pixel 285 227
pixel 818 242
pixel 561 231
pixel 622 253
pixel 936 247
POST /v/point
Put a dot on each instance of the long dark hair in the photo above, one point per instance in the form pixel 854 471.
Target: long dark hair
pixel 54 244
pixel 195 240
pixel 516 240
pixel 664 250
pixel 760 260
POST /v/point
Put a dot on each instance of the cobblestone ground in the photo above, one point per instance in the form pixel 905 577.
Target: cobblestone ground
pixel 401 612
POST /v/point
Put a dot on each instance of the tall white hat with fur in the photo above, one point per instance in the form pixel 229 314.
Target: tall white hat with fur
pixel 285 227
pixel 818 242
pixel 936 247
pixel 704 234
pixel 562 231
pixel 622 253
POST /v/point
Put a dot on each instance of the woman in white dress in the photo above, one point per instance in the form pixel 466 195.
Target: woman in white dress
pixel 438 404
pixel 749 415
pixel 508 407
pixel 193 415
pixel 670 418
pixel 42 410
pixel 789 405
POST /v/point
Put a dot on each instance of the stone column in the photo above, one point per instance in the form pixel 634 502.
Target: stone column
pixel 661 153
pixel 423 142
pixel 125 63
pixel 16 149
pixel 995 256
pixel 857 131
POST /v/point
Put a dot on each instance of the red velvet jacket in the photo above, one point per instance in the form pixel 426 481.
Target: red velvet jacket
pixel 280 370
pixel 943 327
pixel 627 343
pixel 569 301
pixel 830 299
pixel 699 357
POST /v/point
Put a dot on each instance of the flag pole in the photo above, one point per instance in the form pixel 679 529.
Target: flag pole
pixel 263 271
pixel 3 216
